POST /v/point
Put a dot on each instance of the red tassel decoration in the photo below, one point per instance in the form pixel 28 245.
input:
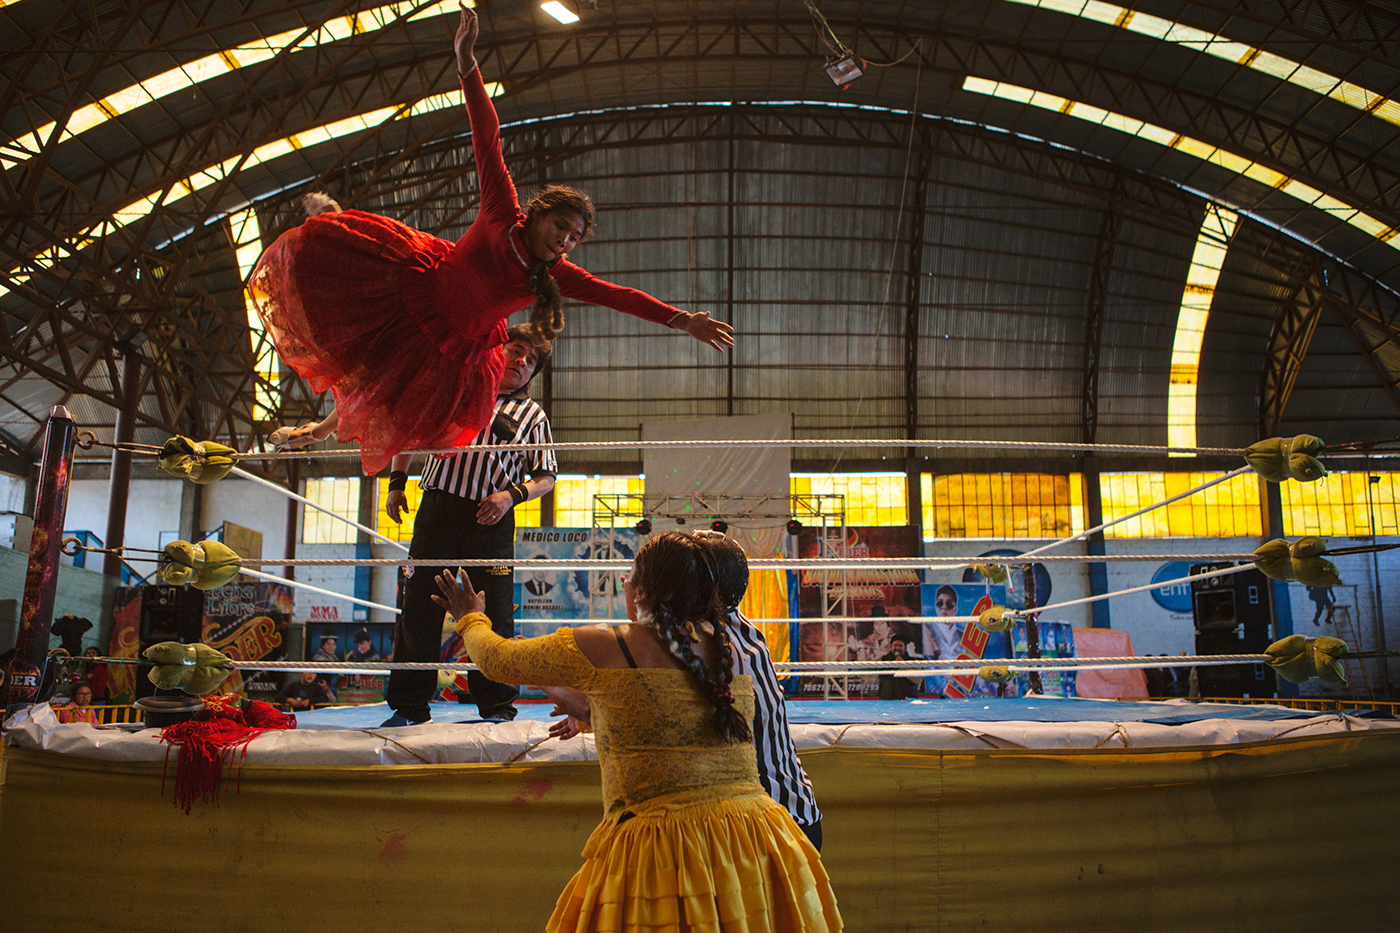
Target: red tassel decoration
pixel 204 743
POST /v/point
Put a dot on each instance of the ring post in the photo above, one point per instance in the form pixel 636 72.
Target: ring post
pixel 25 676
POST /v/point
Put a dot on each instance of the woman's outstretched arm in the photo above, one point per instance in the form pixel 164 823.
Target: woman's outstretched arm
pixel 581 285
pixel 498 198
pixel 552 660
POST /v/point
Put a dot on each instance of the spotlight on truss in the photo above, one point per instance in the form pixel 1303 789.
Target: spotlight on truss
pixel 644 527
pixel 794 527
pixel 843 71
pixel 719 525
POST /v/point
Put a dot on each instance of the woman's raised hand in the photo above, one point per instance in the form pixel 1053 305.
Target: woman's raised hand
pixel 457 599
pixel 707 330
pixel 465 42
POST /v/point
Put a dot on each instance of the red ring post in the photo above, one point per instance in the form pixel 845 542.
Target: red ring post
pixel 26 669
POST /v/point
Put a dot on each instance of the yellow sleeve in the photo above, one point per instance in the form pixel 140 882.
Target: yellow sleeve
pixel 549 661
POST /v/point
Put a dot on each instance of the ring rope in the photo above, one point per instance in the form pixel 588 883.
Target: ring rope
pixel 305 454
pixel 852 668
pixel 305 501
pixel 1226 571
pixel 762 563
pixel 316 589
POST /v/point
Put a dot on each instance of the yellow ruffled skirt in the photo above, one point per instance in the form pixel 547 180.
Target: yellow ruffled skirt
pixel 738 865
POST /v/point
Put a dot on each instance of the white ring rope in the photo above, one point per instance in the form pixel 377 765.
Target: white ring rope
pixel 305 501
pixel 306 454
pixel 826 563
pixel 1139 589
pixel 316 589
pixel 763 563
pixel 1143 511
pixel 795 668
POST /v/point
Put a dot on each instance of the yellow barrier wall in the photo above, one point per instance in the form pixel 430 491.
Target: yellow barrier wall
pixel 1294 834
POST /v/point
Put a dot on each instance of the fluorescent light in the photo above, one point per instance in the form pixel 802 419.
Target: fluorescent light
pixel 559 12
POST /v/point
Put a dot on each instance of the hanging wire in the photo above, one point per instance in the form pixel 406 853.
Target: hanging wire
pixel 825 32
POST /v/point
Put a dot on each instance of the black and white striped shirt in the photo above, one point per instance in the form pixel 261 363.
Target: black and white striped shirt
pixel 779 769
pixel 477 474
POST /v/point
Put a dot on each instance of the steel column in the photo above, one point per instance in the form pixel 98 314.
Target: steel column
pixel 120 484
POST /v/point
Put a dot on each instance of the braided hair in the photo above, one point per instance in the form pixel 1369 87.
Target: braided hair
pixel 678 575
pixel 547 314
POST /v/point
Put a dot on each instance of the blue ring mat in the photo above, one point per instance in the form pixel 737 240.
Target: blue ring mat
pixel 846 712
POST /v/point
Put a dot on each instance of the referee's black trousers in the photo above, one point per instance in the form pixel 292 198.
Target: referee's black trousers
pixel 446 527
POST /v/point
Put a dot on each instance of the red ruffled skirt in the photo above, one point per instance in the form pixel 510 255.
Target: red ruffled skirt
pixel 349 299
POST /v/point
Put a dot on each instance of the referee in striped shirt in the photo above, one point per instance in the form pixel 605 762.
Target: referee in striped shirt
pixel 779 769
pixel 466 512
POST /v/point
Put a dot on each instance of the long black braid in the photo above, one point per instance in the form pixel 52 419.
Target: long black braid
pixel 547 313
pixel 677 574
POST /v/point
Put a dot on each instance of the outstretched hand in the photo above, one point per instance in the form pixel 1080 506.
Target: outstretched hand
pixel 707 330
pixel 465 42
pixel 565 728
pixel 457 599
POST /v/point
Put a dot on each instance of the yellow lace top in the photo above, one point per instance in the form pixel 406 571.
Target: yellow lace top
pixel 652 725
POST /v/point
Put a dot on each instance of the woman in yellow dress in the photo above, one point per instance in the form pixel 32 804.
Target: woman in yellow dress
pixel 689 839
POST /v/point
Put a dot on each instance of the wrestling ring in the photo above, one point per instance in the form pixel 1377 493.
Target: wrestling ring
pixel 1012 813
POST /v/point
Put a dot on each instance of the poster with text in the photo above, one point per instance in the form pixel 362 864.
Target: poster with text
pixel 249 622
pixel 877 599
pixel 545 599
pixel 943 641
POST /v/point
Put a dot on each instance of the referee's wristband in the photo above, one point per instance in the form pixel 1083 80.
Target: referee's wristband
pixel 398 480
pixel 519 493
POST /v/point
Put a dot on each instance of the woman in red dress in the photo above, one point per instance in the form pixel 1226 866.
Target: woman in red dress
pixel 406 328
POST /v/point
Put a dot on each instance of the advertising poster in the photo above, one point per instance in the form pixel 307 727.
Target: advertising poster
pixel 944 641
pixel 1056 641
pixel 249 622
pixel 351 641
pixel 546 598
pixel 877 598
pixel 125 643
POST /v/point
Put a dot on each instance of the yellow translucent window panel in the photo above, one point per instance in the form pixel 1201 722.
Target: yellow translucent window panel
pixel 385 525
pixel 341 496
pixel 1342 504
pixel 1002 505
pixel 574 503
pixel 871 499
pixel 1226 510
pixel 527 515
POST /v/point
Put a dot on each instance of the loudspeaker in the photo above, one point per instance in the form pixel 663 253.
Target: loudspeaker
pixel 1232 615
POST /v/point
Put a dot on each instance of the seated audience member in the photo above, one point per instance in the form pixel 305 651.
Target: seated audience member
pixel 80 709
pixel 305 692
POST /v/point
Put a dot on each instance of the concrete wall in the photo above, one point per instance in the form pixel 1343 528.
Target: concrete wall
pixel 153 506
pixel 82 592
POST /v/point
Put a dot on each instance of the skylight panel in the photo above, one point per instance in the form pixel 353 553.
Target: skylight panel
pixel 1212 242
pixel 1217 46
pixel 212 174
pixel 1193 147
pixel 185 76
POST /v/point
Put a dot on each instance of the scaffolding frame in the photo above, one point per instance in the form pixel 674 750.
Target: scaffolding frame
pixel 824 511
